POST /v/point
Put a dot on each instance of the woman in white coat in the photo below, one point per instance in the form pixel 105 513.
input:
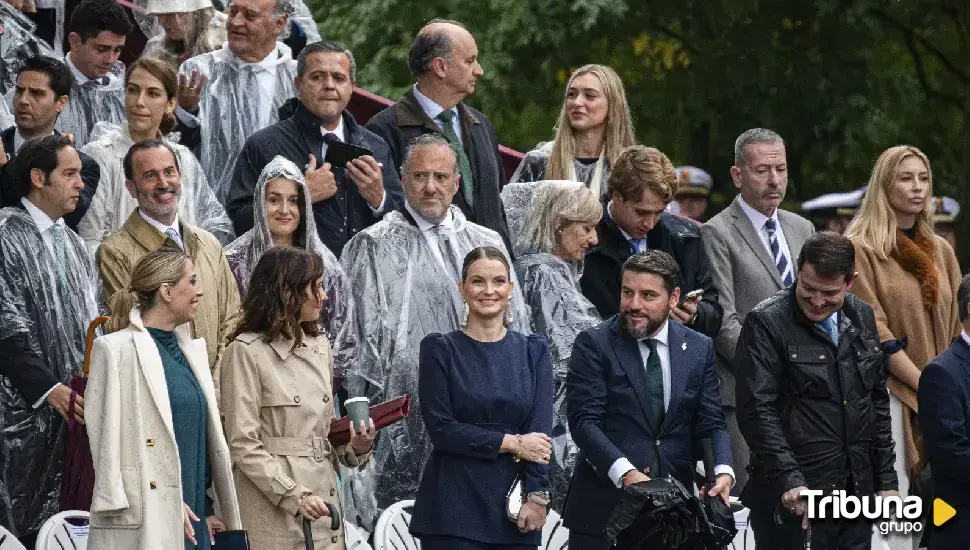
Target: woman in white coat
pixel 151 416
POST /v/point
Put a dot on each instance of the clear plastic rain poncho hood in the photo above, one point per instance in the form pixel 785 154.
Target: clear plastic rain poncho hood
pixel 209 37
pixel 91 103
pixel 533 168
pixel 403 292
pixel 230 109
pixel 337 317
pixel 50 301
pixel 112 203
pixel 517 200
pixel 550 286
pixel 17 43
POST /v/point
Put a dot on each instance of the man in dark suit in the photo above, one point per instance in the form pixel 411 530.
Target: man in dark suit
pixel 444 59
pixel 641 390
pixel 944 416
pixel 640 186
pixel 42 91
pixel 345 200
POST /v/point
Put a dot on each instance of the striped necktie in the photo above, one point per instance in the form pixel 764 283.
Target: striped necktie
pixel 781 262
pixel 174 236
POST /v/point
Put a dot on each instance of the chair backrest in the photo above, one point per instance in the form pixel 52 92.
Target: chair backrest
pixel 354 539
pixel 58 532
pixel 555 536
pixel 8 541
pixel 391 532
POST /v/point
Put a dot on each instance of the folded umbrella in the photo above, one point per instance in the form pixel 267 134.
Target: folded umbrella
pixel 383 415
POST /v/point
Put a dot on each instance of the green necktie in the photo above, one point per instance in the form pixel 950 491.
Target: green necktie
pixel 59 239
pixel 464 168
pixel 655 381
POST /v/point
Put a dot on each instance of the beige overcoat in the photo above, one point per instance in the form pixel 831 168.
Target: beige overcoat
pixel 278 403
pixel 137 502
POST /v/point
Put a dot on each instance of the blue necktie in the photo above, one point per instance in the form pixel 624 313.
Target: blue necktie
pixel 831 327
pixel 781 262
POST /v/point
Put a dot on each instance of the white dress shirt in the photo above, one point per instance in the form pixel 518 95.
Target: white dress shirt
pixel 427 231
pixel 758 220
pixel 622 464
pixel 80 77
pixel 162 228
pixel 266 78
pixel 432 109
pixel 341 132
pixel 965 336
pixel 44 224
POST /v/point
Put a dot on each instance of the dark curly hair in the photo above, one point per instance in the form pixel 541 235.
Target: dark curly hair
pixel 276 294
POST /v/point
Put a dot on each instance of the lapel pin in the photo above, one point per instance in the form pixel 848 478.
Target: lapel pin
pixel 684 346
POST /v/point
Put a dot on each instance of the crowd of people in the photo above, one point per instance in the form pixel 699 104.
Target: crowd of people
pixel 571 332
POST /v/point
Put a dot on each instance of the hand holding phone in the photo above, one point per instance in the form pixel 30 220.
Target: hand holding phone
pixel 691 296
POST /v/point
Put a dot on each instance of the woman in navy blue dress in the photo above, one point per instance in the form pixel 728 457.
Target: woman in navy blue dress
pixel 486 398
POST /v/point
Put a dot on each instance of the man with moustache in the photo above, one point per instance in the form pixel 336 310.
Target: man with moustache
pixel 752 245
pixel 153 178
pixel 47 298
pixel 444 60
pixel 641 391
pixel 406 270
pixel 345 200
pixel 41 93
pixel 812 402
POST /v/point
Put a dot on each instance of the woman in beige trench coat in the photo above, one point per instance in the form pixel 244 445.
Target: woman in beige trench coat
pixel 277 395
pixel 149 485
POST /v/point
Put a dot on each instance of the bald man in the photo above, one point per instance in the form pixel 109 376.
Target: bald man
pixel 444 60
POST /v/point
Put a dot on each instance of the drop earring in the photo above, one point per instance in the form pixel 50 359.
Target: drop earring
pixel 464 316
pixel 508 316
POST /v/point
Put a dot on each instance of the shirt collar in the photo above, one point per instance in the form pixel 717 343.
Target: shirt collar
pixel 19 141
pixel 41 220
pixel 757 218
pixel 340 131
pixel 663 336
pixel 965 336
pixel 429 107
pixel 626 235
pixel 425 225
pixel 162 227
pixel 265 63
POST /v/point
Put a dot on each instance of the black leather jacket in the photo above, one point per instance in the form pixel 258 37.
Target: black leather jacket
pixel 812 413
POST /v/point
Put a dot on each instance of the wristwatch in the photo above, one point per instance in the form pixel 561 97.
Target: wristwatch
pixel 542 498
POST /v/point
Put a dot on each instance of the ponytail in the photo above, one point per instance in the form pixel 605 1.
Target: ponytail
pixel 120 305
pixel 151 271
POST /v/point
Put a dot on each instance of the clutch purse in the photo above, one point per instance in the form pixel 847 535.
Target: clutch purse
pixel 515 499
pixel 232 540
pixel 383 415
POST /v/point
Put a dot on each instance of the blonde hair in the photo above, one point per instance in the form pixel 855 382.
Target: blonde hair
pixel 164 266
pixel 639 168
pixel 619 125
pixel 558 204
pixel 875 226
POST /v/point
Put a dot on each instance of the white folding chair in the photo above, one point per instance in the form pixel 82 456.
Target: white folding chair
pixel 354 538
pixel 744 540
pixel 554 535
pixel 392 532
pixel 8 541
pixel 58 532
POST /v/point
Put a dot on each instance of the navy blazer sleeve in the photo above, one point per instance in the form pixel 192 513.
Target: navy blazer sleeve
pixel 586 392
pixel 447 434
pixel 25 369
pixel 942 418
pixel 537 475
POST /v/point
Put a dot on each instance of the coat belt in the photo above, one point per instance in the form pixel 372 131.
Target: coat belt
pixel 317 447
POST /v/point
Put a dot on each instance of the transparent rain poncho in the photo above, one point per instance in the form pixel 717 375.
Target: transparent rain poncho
pixel 17 43
pixel 559 310
pixel 403 292
pixel 209 38
pixel 6 119
pixel 517 201
pixel 230 109
pixel 533 168
pixel 91 103
pixel 50 302
pixel 337 317
pixel 112 203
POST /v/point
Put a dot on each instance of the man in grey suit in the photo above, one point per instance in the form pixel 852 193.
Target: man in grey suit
pixel 752 246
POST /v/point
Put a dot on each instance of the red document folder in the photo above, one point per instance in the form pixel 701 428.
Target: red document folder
pixel 384 415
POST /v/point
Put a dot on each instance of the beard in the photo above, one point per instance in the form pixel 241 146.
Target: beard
pixel 648 329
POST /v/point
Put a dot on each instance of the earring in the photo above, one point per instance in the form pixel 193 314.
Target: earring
pixel 508 316
pixel 464 316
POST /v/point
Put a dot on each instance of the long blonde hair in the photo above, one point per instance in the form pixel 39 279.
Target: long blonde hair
pixel 875 226
pixel 164 266
pixel 619 125
pixel 565 202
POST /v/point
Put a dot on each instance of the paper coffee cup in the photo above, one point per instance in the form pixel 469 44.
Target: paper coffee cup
pixel 358 410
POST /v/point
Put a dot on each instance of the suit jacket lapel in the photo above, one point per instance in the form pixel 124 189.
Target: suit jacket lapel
pixel 628 356
pixel 197 356
pixel 794 238
pixel 151 368
pixel 743 225
pixel 679 360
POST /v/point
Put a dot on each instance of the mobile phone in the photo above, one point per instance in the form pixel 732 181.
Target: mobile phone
pixel 340 153
pixel 691 295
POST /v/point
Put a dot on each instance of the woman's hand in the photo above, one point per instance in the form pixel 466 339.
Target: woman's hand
pixel 535 447
pixel 362 442
pixel 313 507
pixel 532 517
pixel 188 516
pixel 216 525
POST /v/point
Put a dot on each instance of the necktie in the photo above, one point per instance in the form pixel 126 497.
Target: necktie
pixel 831 327
pixel 252 97
pixel 464 168
pixel 635 247
pixel 655 381
pixel 781 262
pixel 59 239
pixel 447 252
pixel 174 236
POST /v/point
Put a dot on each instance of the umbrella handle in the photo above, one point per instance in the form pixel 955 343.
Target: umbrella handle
pixel 89 340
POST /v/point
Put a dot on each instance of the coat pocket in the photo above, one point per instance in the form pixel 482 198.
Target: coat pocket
pixel 131 517
pixel 808 374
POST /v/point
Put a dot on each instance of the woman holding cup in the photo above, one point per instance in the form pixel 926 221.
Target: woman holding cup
pixel 277 387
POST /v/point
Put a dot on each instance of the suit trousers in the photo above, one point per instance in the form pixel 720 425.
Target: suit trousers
pixel 456 543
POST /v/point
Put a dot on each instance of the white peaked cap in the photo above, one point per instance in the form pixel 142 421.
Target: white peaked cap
pixel 154 7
